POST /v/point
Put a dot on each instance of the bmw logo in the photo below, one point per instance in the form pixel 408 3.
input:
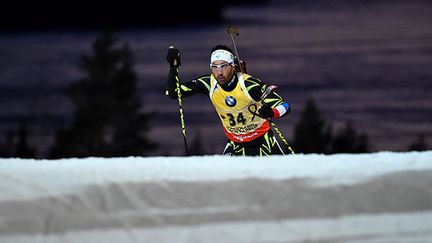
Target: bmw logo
pixel 230 101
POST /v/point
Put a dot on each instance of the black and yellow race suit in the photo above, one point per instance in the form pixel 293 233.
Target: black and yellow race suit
pixel 237 106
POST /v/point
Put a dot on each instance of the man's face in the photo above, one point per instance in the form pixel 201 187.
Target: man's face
pixel 222 71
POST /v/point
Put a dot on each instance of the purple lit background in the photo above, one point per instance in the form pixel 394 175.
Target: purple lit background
pixel 369 64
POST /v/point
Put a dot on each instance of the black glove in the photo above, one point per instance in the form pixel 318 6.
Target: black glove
pixel 173 57
pixel 265 111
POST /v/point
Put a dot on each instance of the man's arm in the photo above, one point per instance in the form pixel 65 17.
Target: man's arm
pixel 199 85
pixel 274 106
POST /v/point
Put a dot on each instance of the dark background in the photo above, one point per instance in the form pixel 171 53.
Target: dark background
pixel 79 15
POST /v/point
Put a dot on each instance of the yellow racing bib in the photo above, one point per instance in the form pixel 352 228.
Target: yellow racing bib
pixel 236 110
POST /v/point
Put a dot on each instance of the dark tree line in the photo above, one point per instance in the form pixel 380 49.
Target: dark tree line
pixel 419 144
pixel 107 121
pixel 107 118
pixel 15 144
pixel 314 135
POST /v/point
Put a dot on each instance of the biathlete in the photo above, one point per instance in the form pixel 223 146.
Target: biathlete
pixel 244 104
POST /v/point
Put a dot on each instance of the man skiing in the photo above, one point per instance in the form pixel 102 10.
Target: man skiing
pixel 244 103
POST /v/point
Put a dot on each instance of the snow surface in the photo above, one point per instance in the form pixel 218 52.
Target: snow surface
pixel 376 197
pixel 48 177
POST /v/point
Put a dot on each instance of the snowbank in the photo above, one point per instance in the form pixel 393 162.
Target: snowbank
pixel 364 197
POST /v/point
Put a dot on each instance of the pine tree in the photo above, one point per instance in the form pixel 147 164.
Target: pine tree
pixel 7 146
pixel 196 146
pixel 349 141
pixel 419 144
pixel 312 134
pixel 22 148
pixel 106 120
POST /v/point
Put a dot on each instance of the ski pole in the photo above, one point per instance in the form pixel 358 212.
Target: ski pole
pixel 268 90
pixel 179 98
pixel 281 136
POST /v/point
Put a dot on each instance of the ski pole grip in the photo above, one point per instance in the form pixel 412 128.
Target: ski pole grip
pixel 232 30
pixel 175 60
